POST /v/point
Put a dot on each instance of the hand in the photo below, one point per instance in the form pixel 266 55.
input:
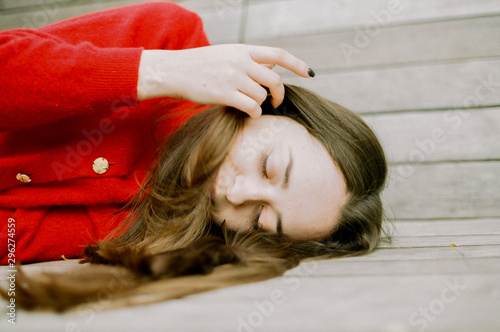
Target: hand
pixel 230 75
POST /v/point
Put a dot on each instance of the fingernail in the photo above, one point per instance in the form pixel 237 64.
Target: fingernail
pixel 311 72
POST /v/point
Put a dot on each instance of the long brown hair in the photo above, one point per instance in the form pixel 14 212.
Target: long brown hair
pixel 169 246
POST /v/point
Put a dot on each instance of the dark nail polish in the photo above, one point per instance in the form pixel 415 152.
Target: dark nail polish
pixel 311 72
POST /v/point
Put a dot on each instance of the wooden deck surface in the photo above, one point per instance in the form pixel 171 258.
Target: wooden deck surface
pixel 426 76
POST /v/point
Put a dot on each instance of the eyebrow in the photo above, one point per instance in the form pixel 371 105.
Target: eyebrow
pixel 279 227
pixel 286 177
pixel 284 185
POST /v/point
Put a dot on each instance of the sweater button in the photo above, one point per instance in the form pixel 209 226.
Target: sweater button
pixel 23 178
pixel 100 165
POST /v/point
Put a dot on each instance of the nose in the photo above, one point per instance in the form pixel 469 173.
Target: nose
pixel 245 189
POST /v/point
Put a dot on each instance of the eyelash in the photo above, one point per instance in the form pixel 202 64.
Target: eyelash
pixel 255 223
pixel 263 166
pixel 263 171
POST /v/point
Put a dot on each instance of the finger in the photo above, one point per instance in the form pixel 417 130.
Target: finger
pixel 253 90
pixel 244 103
pixel 272 81
pixel 273 55
pixel 255 85
pixel 267 65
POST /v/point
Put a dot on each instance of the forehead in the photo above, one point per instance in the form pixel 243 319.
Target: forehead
pixel 312 204
pixel 268 129
pixel 320 190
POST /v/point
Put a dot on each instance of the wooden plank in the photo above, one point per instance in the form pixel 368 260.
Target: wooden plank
pixel 347 267
pixel 17 4
pixel 342 267
pixel 470 38
pixel 378 285
pixel 459 84
pixel 385 262
pixel 222 22
pixel 451 135
pixel 269 20
pixel 455 227
pixel 437 253
pixel 399 261
pixel 443 191
pixel 39 16
pixel 385 304
pixel 221 19
pixel 362 303
pixel 442 241
pixel 197 5
pixel 9 5
pixel 52 266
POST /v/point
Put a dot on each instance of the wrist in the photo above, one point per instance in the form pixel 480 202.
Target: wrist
pixel 154 79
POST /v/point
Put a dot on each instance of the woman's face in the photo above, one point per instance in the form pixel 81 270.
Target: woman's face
pixel 279 177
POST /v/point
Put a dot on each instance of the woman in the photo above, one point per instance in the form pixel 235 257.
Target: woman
pixel 310 169
pixel 78 108
pixel 248 197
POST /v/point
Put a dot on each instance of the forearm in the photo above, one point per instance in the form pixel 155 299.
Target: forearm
pixel 45 80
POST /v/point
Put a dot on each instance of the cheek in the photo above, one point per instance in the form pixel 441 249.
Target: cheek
pixel 237 223
pixel 233 220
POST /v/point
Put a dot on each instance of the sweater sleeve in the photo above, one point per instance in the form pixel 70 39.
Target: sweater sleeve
pixel 45 79
pixel 88 63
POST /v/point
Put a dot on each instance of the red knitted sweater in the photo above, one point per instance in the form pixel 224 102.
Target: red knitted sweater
pixel 69 97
